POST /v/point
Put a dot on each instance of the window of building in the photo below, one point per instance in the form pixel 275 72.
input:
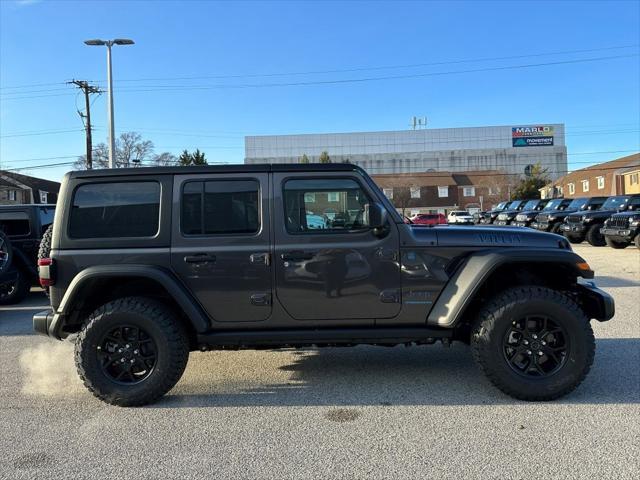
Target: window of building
pixel 572 188
pixel 494 190
pixel 469 191
pixel 43 196
pixel 585 185
pixel 634 178
pixel 443 192
pixel 333 197
pixel 13 195
pixel 388 192
pixel 307 206
pixel 415 192
pixel 600 183
pixel 118 209
pixel 220 207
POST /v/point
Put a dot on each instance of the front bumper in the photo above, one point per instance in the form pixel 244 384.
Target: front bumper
pixel 544 227
pixel 502 223
pixel 573 228
pixel 522 224
pixel 596 303
pixel 625 234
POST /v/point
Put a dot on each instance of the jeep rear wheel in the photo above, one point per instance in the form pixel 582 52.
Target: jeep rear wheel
pixel 574 238
pixel 14 288
pixel 615 244
pixel 6 253
pixel 594 237
pixel 131 351
pixel 533 343
pixel 44 250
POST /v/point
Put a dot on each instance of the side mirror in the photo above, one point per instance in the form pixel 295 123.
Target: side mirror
pixel 378 216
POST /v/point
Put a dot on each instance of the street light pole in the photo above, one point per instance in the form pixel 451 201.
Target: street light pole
pixel 112 135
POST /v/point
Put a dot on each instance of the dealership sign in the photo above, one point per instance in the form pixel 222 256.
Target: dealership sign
pixel 538 136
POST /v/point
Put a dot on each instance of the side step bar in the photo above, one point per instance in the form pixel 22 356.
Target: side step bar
pixel 321 337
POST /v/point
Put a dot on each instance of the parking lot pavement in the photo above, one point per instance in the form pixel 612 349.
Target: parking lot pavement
pixel 362 412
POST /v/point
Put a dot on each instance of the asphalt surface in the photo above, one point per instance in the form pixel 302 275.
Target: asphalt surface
pixel 365 412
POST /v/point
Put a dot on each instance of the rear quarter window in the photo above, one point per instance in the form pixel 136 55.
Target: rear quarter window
pixel 115 210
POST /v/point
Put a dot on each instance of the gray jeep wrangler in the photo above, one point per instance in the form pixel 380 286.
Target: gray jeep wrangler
pixel 149 264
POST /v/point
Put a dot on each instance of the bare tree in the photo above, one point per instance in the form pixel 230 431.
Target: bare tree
pixel 402 199
pixel 131 151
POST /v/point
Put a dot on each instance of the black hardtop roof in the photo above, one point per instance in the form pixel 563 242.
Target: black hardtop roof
pixel 232 168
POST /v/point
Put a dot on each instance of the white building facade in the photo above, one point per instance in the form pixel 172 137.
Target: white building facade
pixel 510 148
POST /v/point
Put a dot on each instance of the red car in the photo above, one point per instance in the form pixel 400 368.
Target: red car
pixel 429 219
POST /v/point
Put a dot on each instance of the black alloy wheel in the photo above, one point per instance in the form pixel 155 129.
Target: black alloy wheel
pixel 535 346
pixel 127 354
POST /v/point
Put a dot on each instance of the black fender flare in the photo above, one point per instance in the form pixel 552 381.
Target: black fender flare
pixel 194 312
pixel 476 269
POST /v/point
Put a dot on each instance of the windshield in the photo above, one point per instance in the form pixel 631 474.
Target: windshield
pixel 613 203
pixel 501 206
pixel 553 204
pixel 531 205
pixel 515 204
pixel 577 204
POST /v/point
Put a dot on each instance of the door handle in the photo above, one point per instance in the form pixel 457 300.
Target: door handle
pixel 263 258
pixel 200 258
pixel 296 256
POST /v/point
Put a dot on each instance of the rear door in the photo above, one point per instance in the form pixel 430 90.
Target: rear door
pixel 220 243
pixel 336 268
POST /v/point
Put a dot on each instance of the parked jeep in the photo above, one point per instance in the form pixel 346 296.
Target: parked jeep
pixel 526 215
pixel 507 216
pixel 148 264
pixel 580 226
pixel 23 227
pixel 527 218
pixel 487 218
pixel 552 221
pixel 621 229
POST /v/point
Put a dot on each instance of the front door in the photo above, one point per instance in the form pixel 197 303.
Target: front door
pixel 328 262
pixel 220 246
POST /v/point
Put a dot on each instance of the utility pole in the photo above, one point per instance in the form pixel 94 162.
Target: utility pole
pixel 87 90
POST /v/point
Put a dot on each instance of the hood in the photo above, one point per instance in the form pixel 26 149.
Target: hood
pixel 485 237
pixel 627 214
pixel 594 214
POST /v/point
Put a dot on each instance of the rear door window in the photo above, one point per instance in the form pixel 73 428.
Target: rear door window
pixel 115 210
pixel 219 207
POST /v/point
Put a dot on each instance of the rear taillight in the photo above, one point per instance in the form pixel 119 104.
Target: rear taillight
pixel 45 272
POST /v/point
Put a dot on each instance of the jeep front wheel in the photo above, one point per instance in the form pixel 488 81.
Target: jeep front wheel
pixel 533 343
pixel 594 237
pixel 131 351
pixel 614 243
pixel 574 238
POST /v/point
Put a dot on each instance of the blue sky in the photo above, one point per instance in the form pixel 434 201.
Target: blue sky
pixel 41 47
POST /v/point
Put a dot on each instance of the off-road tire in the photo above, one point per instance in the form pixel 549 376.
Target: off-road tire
pixel 20 290
pixel 162 326
pixel 594 237
pixel 555 228
pixel 574 238
pixel 44 250
pixel 496 318
pixel 615 244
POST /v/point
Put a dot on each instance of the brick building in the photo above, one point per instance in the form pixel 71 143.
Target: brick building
pixel 631 180
pixel 16 189
pixel 603 179
pixel 441 192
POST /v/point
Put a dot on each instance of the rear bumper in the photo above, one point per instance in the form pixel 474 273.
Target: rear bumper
pixel 45 323
pixel 597 303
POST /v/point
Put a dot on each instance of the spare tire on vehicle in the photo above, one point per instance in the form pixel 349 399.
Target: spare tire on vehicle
pixel 45 249
pixel 6 253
